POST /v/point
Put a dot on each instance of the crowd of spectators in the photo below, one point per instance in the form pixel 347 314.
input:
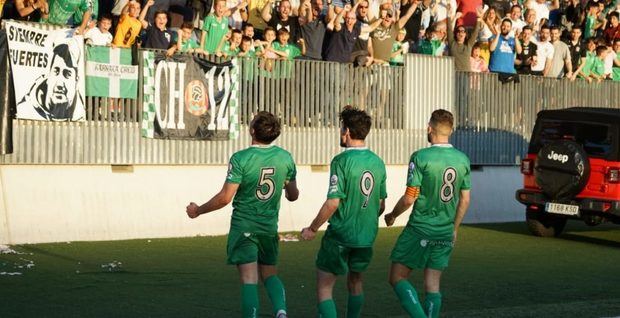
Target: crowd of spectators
pixel 559 38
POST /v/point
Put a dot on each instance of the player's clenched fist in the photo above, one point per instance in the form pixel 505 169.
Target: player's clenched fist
pixel 389 219
pixel 308 234
pixel 192 210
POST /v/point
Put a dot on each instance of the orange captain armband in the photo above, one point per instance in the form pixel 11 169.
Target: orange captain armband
pixel 413 192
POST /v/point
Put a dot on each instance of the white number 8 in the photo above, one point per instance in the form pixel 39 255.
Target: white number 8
pixel 367 184
pixel 447 188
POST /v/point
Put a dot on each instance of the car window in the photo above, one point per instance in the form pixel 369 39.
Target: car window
pixel 594 138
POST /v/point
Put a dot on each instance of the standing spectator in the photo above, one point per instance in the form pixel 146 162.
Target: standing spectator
pixel 527 57
pixel 468 9
pixel 62 10
pixel 503 49
pixel 490 28
pixel 214 28
pixel 93 5
pixel 588 58
pixel 286 50
pixel 574 13
pixel 385 34
pixel 177 6
pixel 236 12
pixel 184 41
pixel 282 19
pixel 544 53
pixel 609 61
pixel 460 43
pixel 517 23
pixel 576 47
pixel 478 64
pixel 255 8
pixel 100 36
pixel 25 10
pixel 313 28
pixel 129 25
pixel 542 9
pixel 343 36
pixel 229 47
pixel 530 20
pixel 613 30
pixel 414 24
pixel 158 36
pixel 591 23
pixel 616 67
pixel 432 44
pixel 399 49
pixel 561 56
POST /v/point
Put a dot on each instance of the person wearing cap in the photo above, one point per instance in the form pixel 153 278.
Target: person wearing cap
pixel 54 96
pixel 385 34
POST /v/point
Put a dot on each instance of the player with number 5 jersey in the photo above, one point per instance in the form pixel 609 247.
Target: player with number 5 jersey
pixel 355 200
pixel 256 177
pixel 438 182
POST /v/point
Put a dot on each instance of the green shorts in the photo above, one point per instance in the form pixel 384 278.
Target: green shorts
pixel 338 260
pixel 244 247
pixel 414 251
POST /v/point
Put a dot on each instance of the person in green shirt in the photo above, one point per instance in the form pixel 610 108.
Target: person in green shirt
pixel 594 66
pixel 184 41
pixel 284 49
pixel 229 46
pixel 399 49
pixel 60 11
pixel 616 67
pixel 355 200
pixel 214 27
pixel 256 177
pixel 245 49
pixel 432 44
pixel 438 183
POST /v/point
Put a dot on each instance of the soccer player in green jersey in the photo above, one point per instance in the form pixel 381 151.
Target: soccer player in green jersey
pixel 256 176
pixel 355 200
pixel 438 182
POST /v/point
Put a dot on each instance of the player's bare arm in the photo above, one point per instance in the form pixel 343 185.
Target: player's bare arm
pixel 403 204
pixel 461 209
pixel 327 210
pixel 291 192
pixel 220 200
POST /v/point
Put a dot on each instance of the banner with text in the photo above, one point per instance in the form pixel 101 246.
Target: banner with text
pixel 110 73
pixel 188 97
pixel 48 72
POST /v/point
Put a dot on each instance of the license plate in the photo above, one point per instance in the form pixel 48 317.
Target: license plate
pixel 566 209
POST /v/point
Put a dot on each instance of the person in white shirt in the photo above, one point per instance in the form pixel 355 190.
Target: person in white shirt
pixel 100 36
pixel 544 53
pixel 517 22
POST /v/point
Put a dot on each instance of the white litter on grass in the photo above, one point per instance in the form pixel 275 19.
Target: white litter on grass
pixel 113 266
pixel 10 273
pixel 5 249
pixel 289 238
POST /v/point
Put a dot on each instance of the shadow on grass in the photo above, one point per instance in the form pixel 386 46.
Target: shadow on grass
pixel 574 231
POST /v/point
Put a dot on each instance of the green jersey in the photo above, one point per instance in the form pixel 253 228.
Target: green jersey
pixel 216 30
pixel 357 178
pixel 261 172
pixel 62 10
pixel 441 172
pixel 616 70
pixel 292 51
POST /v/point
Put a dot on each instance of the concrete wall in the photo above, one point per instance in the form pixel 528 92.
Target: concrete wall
pixel 57 203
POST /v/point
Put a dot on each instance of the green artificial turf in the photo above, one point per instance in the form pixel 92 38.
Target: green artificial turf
pixel 497 270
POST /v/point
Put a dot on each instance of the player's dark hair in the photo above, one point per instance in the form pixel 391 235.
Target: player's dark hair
pixel 266 127
pixel 63 52
pixel 442 117
pixel 614 14
pixel 601 49
pixel 357 121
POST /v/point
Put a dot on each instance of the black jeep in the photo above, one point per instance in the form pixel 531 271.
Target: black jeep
pixel 572 169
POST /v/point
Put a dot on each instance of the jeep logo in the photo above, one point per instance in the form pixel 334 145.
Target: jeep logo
pixel 558 157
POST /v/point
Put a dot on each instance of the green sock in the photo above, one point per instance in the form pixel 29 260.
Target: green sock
pixel 249 300
pixel 275 290
pixel 432 304
pixel 409 299
pixel 354 305
pixel 327 309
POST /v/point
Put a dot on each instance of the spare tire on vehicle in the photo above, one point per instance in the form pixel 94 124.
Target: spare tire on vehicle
pixel 562 169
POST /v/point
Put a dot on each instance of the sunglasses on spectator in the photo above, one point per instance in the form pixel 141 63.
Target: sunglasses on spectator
pixel 460 31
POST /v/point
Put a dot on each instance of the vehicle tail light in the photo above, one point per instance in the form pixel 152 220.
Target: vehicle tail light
pixel 527 166
pixel 612 175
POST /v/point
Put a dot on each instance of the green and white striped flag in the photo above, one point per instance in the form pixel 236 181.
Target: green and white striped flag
pixel 109 73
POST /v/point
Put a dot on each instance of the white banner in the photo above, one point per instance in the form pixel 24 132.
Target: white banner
pixel 48 72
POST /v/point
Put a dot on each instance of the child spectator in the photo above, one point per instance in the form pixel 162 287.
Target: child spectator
pixel 246 48
pixel 100 36
pixel 432 44
pixel 594 67
pixel 214 27
pixel 129 25
pixel 616 69
pixel 399 49
pixel 478 64
pixel 157 36
pixel 229 46
pixel 185 43
pixel 285 50
pixel 266 49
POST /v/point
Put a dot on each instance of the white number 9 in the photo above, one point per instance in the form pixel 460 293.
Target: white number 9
pixel 367 184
